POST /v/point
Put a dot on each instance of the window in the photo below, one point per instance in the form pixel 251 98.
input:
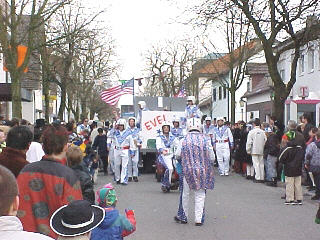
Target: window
pixel 249 86
pixel 311 60
pixel 301 64
pixel 214 94
pixel 224 92
pixel 220 93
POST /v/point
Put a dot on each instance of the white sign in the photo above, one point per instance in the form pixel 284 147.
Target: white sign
pixel 152 121
pixel 304 92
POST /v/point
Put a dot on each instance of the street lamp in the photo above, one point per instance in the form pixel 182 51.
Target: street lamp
pixel 242 103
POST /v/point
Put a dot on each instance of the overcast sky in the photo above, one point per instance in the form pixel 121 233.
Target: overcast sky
pixel 139 24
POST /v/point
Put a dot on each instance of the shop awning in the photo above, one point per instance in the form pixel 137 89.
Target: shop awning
pixel 5 93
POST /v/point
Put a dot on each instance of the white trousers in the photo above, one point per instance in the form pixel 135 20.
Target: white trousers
pixel 258 164
pixel 133 165
pixel 111 159
pixel 223 157
pixel 168 161
pixel 199 199
pixel 250 170
pixel 121 159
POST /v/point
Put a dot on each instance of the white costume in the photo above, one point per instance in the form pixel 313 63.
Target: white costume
pixel 139 114
pixel 166 147
pixel 223 140
pixel 124 146
pixel 133 161
pixel 111 145
pixel 192 111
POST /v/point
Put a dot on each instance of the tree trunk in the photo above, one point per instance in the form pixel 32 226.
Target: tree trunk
pixel 233 105
pixel 63 100
pixel 16 94
pixel 45 92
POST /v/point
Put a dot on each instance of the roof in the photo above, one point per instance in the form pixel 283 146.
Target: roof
pixel 222 64
pixel 261 87
pixel 256 68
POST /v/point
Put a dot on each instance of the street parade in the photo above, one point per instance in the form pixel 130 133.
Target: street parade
pixel 160 120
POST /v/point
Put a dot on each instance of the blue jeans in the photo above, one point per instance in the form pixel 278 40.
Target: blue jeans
pixel 271 167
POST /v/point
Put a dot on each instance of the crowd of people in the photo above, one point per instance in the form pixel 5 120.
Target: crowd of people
pixel 48 171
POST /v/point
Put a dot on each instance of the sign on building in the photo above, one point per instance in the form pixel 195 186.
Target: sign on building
pixel 304 92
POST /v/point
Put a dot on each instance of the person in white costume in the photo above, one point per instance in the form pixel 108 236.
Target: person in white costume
pixel 195 153
pixel 124 146
pixel 166 144
pixel 192 110
pixel 142 107
pixel 137 140
pixel 222 141
pixel 208 128
pixel 176 130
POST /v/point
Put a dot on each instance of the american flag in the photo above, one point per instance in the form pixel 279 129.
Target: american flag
pixel 112 95
pixel 181 93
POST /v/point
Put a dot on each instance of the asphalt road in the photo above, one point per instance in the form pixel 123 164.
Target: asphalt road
pixel 237 209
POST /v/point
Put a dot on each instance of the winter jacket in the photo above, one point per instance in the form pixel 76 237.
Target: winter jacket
pixel 86 183
pixel 292 156
pixel 11 229
pixel 100 142
pixel 256 141
pixel 272 146
pixel 312 157
pixel 306 131
pixel 114 226
pixel 13 159
pixel 44 187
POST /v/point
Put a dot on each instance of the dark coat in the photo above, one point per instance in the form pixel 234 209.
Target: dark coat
pixel 272 146
pixel 292 156
pixel 13 159
pixel 86 183
pixel 100 142
pixel 306 131
pixel 241 152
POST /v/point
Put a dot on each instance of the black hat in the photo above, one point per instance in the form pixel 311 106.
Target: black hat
pixel 76 218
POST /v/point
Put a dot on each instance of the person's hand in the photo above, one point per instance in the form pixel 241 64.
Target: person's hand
pixel 306 166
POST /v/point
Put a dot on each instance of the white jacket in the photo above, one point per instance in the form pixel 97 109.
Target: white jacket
pixel 256 141
pixel 11 229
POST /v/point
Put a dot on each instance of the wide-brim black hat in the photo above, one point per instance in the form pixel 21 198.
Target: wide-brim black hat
pixel 61 226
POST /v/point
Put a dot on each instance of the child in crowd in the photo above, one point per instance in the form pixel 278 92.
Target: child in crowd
pixel 92 162
pixel 114 226
pixel 74 160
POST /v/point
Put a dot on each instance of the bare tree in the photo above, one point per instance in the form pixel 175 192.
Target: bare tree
pixel 169 66
pixel 16 31
pixel 271 20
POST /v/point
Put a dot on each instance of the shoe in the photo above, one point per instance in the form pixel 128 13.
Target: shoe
pixel 179 221
pixel 118 182
pixel 165 189
pixel 283 197
pixel 289 203
pixel 299 202
pixel 255 180
pixel 315 197
pixel 221 174
pixel 129 179
pixel 135 179
pixel 226 174
pixel 271 184
pixel 124 184
pixel 198 224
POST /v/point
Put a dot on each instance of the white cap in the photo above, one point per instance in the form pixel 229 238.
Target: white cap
pixel 194 124
pixel 142 104
pixel 132 118
pixel 191 98
pixel 166 123
pixel 176 119
pixel 220 119
pixel 90 122
pixel 122 121
pixel 208 119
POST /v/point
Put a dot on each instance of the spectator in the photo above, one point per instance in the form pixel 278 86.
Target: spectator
pixel 271 153
pixel 35 151
pixel 306 119
pixel 255 146
pixel 100 142
pixel 83 126
pixel 14 122
pixel 292 157
pixel 95 132
pixel 74 159
pixel 312 163
pixel 2 140
pixel 114 226
pixel 13 156
pixel 10 226
pixel 76 220
pixel 48 184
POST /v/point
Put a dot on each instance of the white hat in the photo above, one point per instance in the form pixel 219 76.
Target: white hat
pixel 176 119
pixel 142 104
pixel 122 121
pixel 220 119
pixel 208 119
pixel 166 123
pixel 191 98
pixel 90 122
pixel 194 124
pixel 132 118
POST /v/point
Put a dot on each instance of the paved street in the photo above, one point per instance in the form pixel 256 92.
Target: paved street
pixel 237 209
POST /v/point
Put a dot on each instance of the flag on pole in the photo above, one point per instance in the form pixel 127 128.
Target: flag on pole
pixel 112 95
pixel 181 93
